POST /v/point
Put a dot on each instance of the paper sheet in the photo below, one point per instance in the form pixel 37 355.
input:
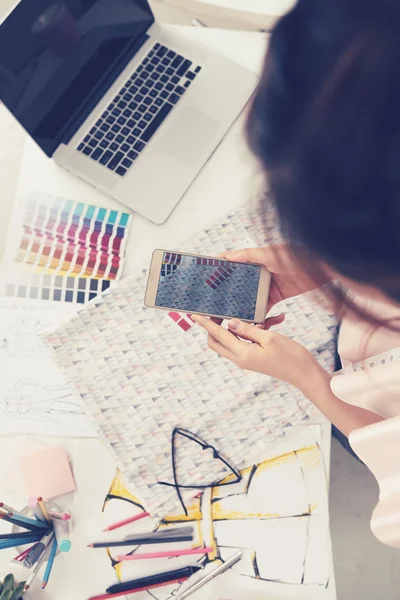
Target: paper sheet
pixel 34 397
pixel 285 554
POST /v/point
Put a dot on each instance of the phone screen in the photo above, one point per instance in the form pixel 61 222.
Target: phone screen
pixel 208 285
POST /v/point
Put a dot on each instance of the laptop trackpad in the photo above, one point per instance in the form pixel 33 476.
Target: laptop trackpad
pixel 189 135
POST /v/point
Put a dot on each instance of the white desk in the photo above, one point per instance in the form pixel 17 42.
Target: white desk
pixel 222 185
pixel 262 7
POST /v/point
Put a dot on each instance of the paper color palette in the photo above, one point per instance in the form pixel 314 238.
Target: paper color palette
pixel 66 252
pixel 57 288
pixel 73 239
pixel 48 254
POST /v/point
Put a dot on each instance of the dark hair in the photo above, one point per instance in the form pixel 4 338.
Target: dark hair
pixel 325 124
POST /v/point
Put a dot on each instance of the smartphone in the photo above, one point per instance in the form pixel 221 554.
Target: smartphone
pixel 209 286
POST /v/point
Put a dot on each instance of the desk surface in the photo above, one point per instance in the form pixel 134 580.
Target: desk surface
pixel 225 182
pixel 263 7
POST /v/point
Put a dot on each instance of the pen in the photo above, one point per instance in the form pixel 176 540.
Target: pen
pixel 61 529
pixel 37 551
pixel 146 582
pixel 221 569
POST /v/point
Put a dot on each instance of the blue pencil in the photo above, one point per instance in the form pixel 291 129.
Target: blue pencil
pixel 28 521
pixel 50 563
pixel 19 542
pixel 18 519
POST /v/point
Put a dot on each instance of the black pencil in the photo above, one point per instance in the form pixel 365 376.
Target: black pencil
pixel 143 541
pixel 20 536
pixel 183 573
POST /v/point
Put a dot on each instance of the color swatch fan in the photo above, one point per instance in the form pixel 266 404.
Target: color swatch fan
pixel 64 251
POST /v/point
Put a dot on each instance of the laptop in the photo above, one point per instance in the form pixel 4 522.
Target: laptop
pixel 131 107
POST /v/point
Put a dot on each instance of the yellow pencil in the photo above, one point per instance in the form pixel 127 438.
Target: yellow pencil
pixel 44 509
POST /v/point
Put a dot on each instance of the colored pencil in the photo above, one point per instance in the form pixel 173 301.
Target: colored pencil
pixel 44 509
pixel 22 521
pixel 7 508
pixel 144 541
pixel 50 563
pixel 36 570
pixel 167 554
pixel 134 591
pixel 61 516
pixel 19 536
pixel 20 542
pixel 142 515
pixel 147 582
pixel 36 510
pixel 176 532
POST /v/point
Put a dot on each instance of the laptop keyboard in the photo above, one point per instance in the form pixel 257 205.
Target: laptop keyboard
pixel 138 110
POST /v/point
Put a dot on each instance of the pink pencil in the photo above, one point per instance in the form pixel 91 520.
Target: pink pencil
pixel 166 554
pixel 60 516
pixel 127 521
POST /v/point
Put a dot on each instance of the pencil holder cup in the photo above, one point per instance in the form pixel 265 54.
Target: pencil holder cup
pixel 63 546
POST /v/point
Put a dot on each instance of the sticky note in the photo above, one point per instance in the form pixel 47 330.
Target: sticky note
pixel 47 472
pixel 13 481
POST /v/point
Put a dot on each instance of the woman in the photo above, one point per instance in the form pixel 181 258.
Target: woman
pixel 325 126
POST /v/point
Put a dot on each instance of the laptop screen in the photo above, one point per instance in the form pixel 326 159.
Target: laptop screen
pixel 58 58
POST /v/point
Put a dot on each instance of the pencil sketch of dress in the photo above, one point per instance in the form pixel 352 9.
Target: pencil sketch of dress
pixel 28 399
pixel 34 396
pixel 22 338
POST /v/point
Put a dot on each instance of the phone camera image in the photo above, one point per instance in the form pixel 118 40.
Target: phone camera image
pixel 208 285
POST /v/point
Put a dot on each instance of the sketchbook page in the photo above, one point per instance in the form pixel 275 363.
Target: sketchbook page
pixel 34 397
pixel 284 555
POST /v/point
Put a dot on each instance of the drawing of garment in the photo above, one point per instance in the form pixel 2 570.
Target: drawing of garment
pixel 276 515
pixel 22 339
pixel 29 399
pixel 273 515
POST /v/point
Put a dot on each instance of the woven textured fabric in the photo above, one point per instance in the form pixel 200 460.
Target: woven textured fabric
pixel 140 376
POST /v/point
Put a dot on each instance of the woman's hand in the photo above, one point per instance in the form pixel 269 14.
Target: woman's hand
pixel 288 276
pixel 270 353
